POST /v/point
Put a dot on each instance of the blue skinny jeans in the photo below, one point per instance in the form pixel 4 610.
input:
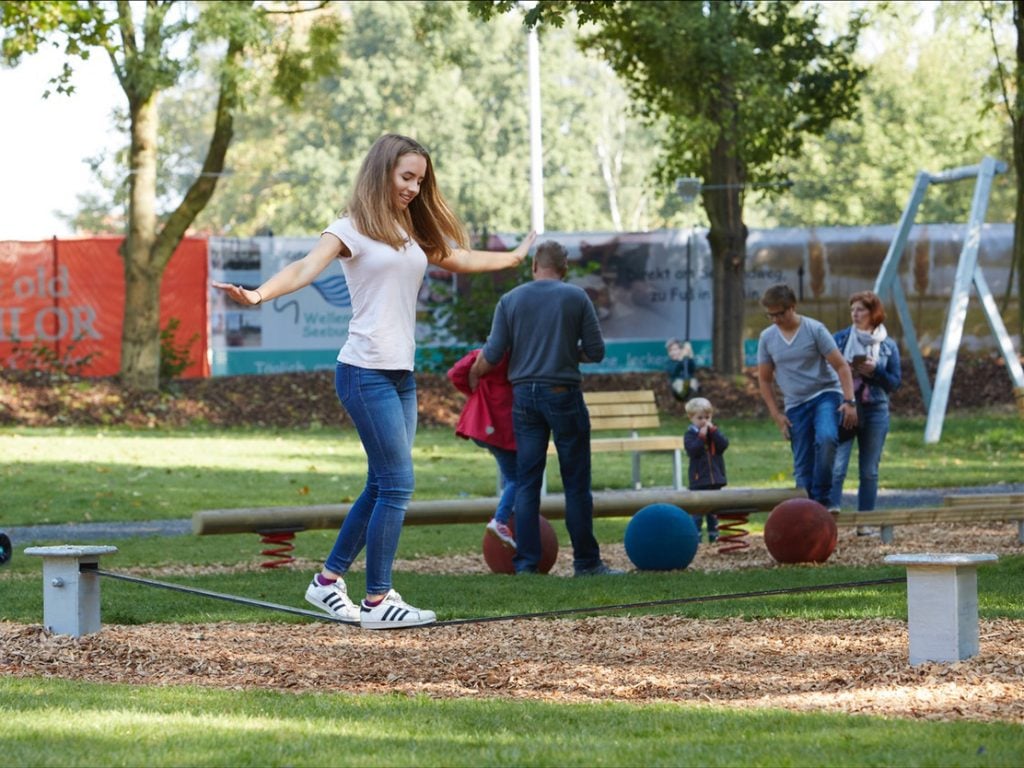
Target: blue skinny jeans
pixel 872 428
pixel 506 461
pixel 382 406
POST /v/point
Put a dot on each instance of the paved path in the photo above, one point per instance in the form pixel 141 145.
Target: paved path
pixel 80 532
pixel 74 533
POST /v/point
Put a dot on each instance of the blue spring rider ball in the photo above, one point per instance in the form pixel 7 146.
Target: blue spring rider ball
pixel 661 537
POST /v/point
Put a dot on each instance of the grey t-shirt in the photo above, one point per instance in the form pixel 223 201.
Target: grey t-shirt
pixel 801 370
pixel 544 324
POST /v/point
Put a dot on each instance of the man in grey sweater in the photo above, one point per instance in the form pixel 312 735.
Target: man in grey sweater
pixel 548 327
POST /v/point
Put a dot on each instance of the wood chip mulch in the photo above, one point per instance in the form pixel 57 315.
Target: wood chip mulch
pixel 850 666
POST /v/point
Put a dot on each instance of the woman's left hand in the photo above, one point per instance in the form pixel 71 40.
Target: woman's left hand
pixel 461 260
pixel 520 251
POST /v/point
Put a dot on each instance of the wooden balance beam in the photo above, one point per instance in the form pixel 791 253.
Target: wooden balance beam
pixel 480 510
pixel 956 512
pixel 980 499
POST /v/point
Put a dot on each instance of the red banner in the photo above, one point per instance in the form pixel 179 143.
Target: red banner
pixel 63 301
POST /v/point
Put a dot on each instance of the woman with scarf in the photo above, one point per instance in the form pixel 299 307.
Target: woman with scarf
pixel 875 361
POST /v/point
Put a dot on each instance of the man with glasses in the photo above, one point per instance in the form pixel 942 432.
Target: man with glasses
pixel 800 356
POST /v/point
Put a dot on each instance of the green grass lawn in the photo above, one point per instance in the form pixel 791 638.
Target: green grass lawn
pixel 58 723
pixel 74 475
pixel 63 475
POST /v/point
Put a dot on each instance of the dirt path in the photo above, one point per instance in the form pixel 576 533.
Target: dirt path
pixel 836 666
pixel 854 666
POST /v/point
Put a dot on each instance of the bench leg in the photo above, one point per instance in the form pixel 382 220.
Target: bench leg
pixel 637 484
pixel 888 534
pixel 1020 531
pixel 677 469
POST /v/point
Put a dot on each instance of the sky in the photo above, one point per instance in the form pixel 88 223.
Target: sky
pixel 45 141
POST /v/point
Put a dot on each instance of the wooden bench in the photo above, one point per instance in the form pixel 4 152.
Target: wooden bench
pixel 629 411
pixel 956 509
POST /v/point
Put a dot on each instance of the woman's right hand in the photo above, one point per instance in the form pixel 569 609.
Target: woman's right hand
pixel 865 368
pixel 238 294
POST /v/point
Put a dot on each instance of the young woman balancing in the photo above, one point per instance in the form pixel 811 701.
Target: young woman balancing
pixel 395 223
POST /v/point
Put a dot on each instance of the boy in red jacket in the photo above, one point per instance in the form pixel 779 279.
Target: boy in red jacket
pixel 486 419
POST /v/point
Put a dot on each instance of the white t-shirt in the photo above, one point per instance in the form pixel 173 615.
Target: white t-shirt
pixel 384 284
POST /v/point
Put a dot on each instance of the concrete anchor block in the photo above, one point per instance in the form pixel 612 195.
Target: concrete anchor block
pixel 942 604
pixel 71 596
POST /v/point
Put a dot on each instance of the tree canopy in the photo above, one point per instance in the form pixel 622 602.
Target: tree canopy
pixel 737 85
pixel 151 46
pixel 460 88
pixel 634 95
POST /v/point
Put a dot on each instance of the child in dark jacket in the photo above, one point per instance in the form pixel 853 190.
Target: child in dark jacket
pixel 705 445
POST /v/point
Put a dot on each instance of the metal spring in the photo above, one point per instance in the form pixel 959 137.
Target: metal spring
pixel 732 533
pixel 281 552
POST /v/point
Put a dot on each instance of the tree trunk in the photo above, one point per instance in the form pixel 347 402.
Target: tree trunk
pixel 723 201
pixel 140 337
pixel 728 239
pixel 146 251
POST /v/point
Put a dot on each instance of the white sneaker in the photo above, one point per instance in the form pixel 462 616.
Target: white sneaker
pixel 393 613
pixel 334 600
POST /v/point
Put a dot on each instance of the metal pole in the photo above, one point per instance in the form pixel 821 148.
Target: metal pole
pixel 536 151
pixel 689 279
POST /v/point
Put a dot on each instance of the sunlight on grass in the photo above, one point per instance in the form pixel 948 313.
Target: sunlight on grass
pixel 177 450
pixel 57 721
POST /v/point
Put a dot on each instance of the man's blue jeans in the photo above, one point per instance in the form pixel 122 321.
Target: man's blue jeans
pixel 538 412
pixel 382 406
pixel 872 427
pixel 509 480
pixel 814 436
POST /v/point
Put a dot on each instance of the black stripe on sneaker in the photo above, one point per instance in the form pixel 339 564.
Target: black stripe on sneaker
pixel 395 614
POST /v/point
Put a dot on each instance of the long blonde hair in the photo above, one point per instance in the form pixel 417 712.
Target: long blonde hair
pixel 428 219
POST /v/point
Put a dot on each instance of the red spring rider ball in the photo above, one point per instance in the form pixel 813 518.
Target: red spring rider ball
pixel 800 531
pixel 499 557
